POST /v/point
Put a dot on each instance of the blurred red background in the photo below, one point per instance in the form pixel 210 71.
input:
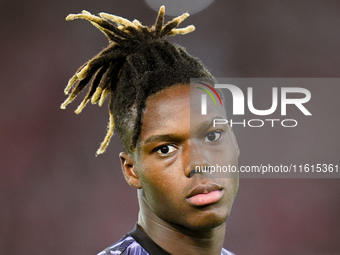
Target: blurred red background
pixel 56 197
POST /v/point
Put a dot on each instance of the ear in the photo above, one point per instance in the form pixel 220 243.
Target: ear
pixel 129 170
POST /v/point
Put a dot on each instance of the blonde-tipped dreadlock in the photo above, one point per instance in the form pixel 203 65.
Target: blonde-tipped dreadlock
pixel 138 62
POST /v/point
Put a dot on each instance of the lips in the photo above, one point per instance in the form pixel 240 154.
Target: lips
pixel 205 194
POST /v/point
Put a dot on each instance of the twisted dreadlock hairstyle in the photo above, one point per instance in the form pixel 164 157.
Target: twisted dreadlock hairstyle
pixel 137 63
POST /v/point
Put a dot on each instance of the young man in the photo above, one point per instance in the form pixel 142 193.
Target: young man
pixel 157 115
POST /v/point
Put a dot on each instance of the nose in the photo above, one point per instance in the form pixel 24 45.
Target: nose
pixel 199 162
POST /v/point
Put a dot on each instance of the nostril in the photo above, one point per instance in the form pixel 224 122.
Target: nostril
pixel 192 172
pixel 200 170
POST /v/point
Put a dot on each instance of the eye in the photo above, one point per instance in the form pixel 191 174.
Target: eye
pixel 212 136
pixel 165 150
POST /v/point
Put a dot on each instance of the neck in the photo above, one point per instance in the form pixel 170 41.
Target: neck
pixel 180 240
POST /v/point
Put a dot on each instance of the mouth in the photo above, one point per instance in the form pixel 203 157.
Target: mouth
pixel 205 194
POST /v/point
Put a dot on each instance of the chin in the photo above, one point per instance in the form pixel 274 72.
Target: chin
pixel 206 226
pixel 207 220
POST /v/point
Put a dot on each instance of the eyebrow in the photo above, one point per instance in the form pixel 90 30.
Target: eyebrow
pixel 174 137
pixel 163 137
pixel 204 126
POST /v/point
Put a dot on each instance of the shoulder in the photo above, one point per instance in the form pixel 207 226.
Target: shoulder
pixel 226 252
pixel 126 246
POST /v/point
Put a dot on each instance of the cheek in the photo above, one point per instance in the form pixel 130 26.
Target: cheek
pixel 161 174
pixel 160 198
pixel 235 186
pixel 155 185
pixel 162 187
pixel 225 154
pixel 231 150
pixel 231 188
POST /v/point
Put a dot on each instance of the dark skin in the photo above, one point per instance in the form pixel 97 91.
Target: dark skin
pixel 170 146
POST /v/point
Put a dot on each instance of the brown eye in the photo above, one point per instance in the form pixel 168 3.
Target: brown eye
pixel 212 137
pixel 165 150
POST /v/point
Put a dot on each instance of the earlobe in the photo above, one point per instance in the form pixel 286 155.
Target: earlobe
pixel 129 170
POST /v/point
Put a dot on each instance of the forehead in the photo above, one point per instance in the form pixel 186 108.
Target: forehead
pixel 165 109
pixel 176 109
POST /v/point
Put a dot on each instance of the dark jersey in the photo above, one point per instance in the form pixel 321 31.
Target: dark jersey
pixel 137 242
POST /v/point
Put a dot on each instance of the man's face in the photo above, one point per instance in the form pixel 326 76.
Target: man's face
pixel 175 138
